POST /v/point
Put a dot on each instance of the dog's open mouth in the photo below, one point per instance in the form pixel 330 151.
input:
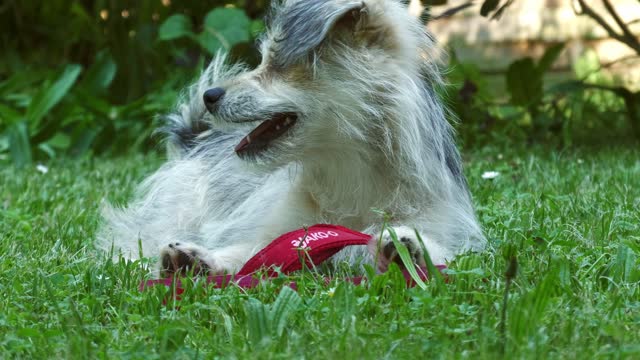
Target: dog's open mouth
pixel 260 137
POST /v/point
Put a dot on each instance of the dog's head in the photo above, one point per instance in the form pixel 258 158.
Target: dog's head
pixel 331 73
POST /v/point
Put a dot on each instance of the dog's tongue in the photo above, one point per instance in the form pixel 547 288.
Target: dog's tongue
pixel 260 137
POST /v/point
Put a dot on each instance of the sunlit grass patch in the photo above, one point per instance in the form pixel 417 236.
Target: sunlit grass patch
pixel 570 221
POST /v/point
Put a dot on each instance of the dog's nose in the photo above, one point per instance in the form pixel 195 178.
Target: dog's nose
pixel 212 96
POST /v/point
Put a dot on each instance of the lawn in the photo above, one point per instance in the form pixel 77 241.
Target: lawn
pixel 568 222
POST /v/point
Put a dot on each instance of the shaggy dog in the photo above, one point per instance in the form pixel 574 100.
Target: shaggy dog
pixel 340 118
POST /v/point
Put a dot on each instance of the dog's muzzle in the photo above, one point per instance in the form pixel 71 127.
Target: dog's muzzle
pixel 260 137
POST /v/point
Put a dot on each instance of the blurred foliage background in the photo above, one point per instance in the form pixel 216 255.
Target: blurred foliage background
pixel 91 77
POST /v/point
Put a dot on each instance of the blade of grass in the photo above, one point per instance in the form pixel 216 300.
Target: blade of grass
pixel 406 258
pixel 434 273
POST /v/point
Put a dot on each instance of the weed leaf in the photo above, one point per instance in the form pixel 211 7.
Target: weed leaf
pixel 258 321
pixel 50 96
pixel 176 26
pixel 287 302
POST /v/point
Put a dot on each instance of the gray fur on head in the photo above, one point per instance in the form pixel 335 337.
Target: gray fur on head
pixel 359 79
pixel 300 26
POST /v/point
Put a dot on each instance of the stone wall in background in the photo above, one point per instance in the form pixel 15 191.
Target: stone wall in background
pixel 528 27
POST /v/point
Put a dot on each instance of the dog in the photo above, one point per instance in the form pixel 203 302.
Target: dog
pixel 340 118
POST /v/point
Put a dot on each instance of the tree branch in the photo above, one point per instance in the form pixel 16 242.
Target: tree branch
pixel 614 13
pixel 626 37
pixel 587 10
pixel 453 10
pixel 625 29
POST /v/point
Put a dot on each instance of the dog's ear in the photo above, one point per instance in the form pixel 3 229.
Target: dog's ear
pixel 351 19
pixel 304 25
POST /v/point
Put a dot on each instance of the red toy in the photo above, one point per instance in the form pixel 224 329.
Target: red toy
pixel 312 246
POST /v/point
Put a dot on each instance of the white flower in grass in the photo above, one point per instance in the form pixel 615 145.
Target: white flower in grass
pixel 43 169
pixel 488 175
pixel 331 291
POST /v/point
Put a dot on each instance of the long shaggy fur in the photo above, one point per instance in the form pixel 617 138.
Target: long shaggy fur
pixel 370 134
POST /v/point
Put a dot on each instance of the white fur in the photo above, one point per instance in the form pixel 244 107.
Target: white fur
pixel 370 135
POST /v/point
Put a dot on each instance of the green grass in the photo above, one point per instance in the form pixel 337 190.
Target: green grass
pixel 570 221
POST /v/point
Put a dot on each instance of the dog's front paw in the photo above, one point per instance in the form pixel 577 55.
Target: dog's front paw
pixel 181 258
pixel 386 251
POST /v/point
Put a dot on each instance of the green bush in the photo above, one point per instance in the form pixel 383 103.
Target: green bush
pixel 81 77
pixel 589 107
pixel 92 76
